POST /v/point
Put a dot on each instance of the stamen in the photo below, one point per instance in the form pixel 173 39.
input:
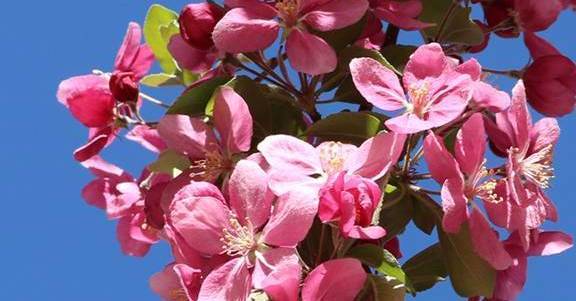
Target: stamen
pixel 538 169
pixel 419 99
pixel 288 11
pixel 238 240
pixel 210 167
pixel 332 157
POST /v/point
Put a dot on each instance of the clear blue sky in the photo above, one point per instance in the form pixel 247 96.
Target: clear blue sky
pixel 55 247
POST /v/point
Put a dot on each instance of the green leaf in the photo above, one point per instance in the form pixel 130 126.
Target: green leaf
pixel 469 273
pixel 458 26
pixel 396 212
pixel 398 55
pixel 423 218
pixel 349 127
pixel 158 27
pixel 426 268
pixel 160 80
pixel 380 259
pixel 386 290
pixel 194 100
pixel 170 162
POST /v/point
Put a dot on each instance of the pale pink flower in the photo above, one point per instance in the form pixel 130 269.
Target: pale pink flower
pixel 256 232
pixel 334 280
pixel 437 93
pixel 464 177
pixel 351 200
pixel 294 163
pixel 211 150
pixel 403 14
pixel 253 25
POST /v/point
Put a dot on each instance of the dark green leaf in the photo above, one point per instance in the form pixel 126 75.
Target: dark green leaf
pixel 341 38
pixel 386 290
pixel 458 27
pixel 194 100
pixel 396 213
pixel 398 55
pixel 423 218
pixel 158 27
pixel 349 127
pixel 426 268
pixel 160 80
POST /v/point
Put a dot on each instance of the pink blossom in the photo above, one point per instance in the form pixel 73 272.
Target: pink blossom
pixel 211 150
pixel 334 280
pixel 176 282
pixel 463 178
pixel 484 95
pixel 252 25
pixel 256 235
pixel 295 163
pixel 148 137
pixel 437 93
pixel 550 80
pixel 403 14
pixel 351 201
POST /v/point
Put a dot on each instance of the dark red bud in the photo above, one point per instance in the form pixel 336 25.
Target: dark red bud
pixel 124 86
pixel 197 21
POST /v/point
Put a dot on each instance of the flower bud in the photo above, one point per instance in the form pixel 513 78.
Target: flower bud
pixel 124 86
pixel 197 22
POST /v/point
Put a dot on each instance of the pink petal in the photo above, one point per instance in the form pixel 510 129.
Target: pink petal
pixel 148 137
pixel 472 68
pixel 454 204
pixel 408 123
pixel 233 120
pixel 291 219
pixel 544 133
pixel 93 193
pixel 486 243
pixel 446 110
pixel 89 99
pixel 378 84
pixel 290 155
pixel 402 14
pixel 440 162
pixel 366 233
pixel 486 96
pixel 246 29
pixel 427 61
pixel 334 280
pixel 270 261
pixel 99 139
pixel 471 145
pixel 132 57
pixel 282 284
pixel 185 134
pixel 80 85
pixel 310 54
pixel 538 46
pixel 129 245
pixel 377 155
pixel 551 243
pixel 249 194
pixel 190 58
pixel 282 182
pixel 510 282
pixel 230 281
pixel 336 14
pixel 535 15
pixel 519 117
pixel 103 169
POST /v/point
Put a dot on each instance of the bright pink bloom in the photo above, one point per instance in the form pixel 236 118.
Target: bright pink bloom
pixel 148 137
pixel 211 150
pixel 295 163
pixel 464 177
pixel 255 235
pixel 510 282
pixel 351 200
pixel 437 93
pixel 550 80
pixel 403 14
pixel 253 25
pixel 334 280
pixel 176 282
pixel 92 98
pixel 484 95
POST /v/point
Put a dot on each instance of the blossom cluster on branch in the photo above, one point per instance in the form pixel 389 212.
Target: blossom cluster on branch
pixel 261 197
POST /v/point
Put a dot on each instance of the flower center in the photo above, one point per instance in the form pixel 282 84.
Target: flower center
pixel 537 168
pixel 483 188
pixel 332 157
pixel 288 11
pixel 209 168
pixel 419 99
pixel 238 240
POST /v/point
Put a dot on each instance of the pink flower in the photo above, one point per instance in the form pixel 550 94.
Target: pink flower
pixel 148 137
pixel 211 150
pixel 334 280
pixel 295 163
pixel 403 14
pixel 464 177
pixel 177 282
pixel 484 95
pixel 437 94
pixel 256 235
pixel 351 200
pixel 550 80
pixel 252 25
pixel 92 98
pixel 510 282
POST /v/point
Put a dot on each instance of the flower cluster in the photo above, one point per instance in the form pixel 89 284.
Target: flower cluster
pixel 260 197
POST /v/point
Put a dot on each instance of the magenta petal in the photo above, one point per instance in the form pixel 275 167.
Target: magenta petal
pixel 290 155
pixel 545 132
pixel 282 284
pixel 408 123
pixel 377 155
pixel 190 58
pixel 269 261
pixel 233 120
pixel 440 162
pixel 551 243
pixel 334 280
pixel 231 281
pixel 447 109
pixel 472 68
pixel 246 29
pixel 249 194
pixel 133 57
pixel 401 13
pixel 486 96
pixel 471 145
pixel 129 245
pixel 99 139
pixel 79 85
pixel 486 243
pixel 147 137
pixel 366 233
pixel 89 100
pixel 538 46
pixel 427 61
pixel 310 54
pixel 291 219
pixel 378 84
pixel 336 14
pixel 185 134
pixel 454 204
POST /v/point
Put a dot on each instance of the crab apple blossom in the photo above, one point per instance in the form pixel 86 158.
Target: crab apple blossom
pixel 339 280
pixel 403 14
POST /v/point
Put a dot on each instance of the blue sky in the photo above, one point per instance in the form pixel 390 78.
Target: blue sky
pixel 56 247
